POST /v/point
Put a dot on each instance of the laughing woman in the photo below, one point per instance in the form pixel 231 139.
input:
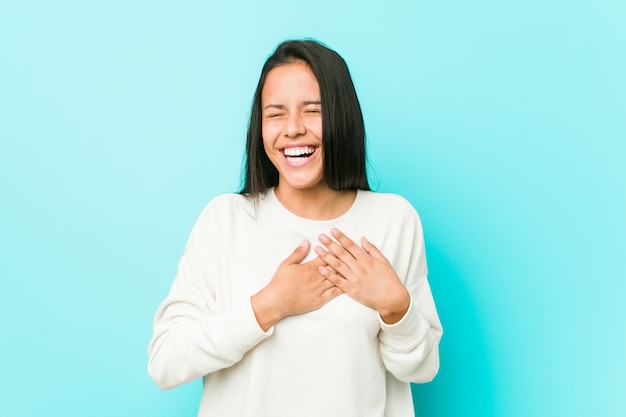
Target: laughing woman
pixel 306 293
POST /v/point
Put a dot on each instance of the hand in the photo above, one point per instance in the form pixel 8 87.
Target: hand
pixel 364 274
pixel 295 288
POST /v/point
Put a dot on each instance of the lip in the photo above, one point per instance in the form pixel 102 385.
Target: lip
pixel 299 161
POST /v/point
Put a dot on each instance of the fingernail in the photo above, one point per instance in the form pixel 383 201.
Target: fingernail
pixel 324 239
pixel 335 232
pixel 319 250
pixel 304 243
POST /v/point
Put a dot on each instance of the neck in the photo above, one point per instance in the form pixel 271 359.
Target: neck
pixel 318 204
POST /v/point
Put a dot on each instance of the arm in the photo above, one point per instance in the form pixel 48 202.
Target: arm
pixel 410 328
pixel 191 338
pixel 410 347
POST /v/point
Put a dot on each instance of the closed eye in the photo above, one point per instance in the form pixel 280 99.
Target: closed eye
pixel 273 110
pixel 274 115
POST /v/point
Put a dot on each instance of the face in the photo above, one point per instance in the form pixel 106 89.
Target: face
pixel 292 127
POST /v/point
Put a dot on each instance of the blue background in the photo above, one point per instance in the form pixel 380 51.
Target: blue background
pixel 503 122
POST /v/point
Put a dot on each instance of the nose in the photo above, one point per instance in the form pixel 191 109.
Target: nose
pixel 295 126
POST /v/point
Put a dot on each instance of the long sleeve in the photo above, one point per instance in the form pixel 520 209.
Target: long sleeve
pixel 410 347
pixel 194 334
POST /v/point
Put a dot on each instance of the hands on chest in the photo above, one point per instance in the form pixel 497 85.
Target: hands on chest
pixel 342 266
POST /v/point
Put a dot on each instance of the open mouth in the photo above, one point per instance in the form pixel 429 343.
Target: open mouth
pixel 299 153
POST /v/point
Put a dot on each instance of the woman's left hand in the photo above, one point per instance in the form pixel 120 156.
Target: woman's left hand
pixel 364 274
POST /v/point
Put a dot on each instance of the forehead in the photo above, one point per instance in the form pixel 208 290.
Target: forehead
pixel 290 80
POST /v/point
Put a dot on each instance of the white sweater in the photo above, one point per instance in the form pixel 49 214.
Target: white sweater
pixel 341 360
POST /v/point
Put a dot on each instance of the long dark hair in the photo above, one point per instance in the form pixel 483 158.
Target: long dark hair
pixel 343 130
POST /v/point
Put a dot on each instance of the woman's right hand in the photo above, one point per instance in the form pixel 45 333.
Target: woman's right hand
pixel 295 288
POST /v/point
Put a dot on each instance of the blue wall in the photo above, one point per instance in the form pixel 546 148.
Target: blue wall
pixel 503 122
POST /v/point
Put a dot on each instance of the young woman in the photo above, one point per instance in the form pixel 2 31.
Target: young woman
pixel 306 293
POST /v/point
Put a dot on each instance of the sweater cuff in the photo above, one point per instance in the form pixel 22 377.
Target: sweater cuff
pixel 405 332
pixel 245 330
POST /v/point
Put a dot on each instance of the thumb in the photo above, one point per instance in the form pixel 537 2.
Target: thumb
pixel 372 250
pixel 299 253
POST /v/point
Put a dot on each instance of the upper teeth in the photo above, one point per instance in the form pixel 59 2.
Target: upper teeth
pixel 300 150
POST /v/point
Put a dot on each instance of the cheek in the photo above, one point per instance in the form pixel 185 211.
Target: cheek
pixel 268 143
pixel 316 128
pixel 269 132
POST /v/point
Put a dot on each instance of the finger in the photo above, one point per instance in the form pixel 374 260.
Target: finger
pixel 333 261
pixel 338 251
pixel 315 262
pixel 298 254
pixel 326 284
pixel 331 293
pixel 372 250
pixel 347 243
pixel 333 277
pixel 331 269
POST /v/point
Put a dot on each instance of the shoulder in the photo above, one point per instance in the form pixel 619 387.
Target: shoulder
pixel 227 206
pixel 390 211
pixel 393 204
pixel 229 200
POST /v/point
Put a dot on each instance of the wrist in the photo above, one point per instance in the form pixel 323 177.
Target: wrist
pixel 396 309
pixel 266 312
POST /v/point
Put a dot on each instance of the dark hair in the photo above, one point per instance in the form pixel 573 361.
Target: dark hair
pixel 343 130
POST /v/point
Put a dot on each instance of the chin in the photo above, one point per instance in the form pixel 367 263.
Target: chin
pixel 304 185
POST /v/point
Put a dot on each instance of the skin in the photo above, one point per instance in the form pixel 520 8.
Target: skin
pixel 292 118
pixel 364 274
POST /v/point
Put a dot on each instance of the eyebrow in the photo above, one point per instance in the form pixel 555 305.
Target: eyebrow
pixel 280 106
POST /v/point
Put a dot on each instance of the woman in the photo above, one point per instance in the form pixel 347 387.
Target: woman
pixel 278 328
